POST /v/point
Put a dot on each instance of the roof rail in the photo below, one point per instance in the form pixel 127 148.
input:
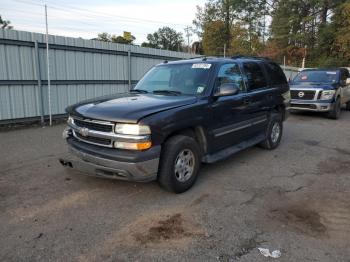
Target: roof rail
pixel 196 57
pixel 251 57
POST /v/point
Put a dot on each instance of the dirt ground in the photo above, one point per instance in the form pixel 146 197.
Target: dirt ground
pixel 295 199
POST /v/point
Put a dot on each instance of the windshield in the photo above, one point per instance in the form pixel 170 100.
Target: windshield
pixel 317 76
pixel 188 79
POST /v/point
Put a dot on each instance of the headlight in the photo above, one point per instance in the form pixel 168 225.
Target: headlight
pixel 327 94
pixel 132 129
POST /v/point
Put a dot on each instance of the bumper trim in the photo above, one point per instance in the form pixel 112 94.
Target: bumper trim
pixel 100 167
pixel 320 106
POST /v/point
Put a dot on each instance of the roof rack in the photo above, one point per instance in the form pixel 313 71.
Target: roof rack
pixel 250 57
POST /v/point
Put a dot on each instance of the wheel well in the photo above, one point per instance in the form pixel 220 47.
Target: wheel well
pixel 197 133
pixel 281 110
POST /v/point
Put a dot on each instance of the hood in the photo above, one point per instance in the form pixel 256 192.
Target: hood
pixel 308 85
pixel 127 108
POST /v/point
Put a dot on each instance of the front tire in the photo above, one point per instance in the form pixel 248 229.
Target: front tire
pixel 335 112
pixel 179 164
pixel 273 133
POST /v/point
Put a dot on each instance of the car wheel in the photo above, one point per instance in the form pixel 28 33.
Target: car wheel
pixel 335 112
pixel 347 106
pixel 273 133
pixel 179 163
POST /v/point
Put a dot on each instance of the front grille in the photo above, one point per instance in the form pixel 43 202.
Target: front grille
pixel 93 125
pixel 303 106
pixel 308 94
pixel 95 140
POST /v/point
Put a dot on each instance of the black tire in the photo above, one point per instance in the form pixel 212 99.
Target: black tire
pixel 335 112
pixel 168 177
pixel 347 107
pixel 271 142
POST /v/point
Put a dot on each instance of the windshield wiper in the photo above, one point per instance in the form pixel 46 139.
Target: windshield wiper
pixel 170 92
pixel 139 91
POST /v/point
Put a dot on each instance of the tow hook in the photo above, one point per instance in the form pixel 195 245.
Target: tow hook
pixel 66 163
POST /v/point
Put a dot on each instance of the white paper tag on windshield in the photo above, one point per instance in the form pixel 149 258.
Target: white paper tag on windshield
pixel 200 89
pixel 201 65
pixel 331 73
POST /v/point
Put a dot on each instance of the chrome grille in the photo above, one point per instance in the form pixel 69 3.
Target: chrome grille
pixel 95 140
pixel 94 125
pixel 307 94
pixel 94 132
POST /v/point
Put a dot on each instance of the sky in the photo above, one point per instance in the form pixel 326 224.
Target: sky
pixel 87 18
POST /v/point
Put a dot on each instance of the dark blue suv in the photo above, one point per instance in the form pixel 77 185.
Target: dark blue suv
pixel 321 90
pixel 179 115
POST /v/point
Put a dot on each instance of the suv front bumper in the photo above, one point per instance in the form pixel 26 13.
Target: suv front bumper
pixel 311 105
pixel 144 169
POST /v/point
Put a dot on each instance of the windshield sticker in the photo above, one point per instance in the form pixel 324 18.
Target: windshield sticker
pixel 200 89
pixel 331 73
pixel 304 77
pixel 201 66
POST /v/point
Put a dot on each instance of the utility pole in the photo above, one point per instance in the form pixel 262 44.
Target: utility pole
pixel 224 50
pixel 188 34
pixel 303 63
pixel 48 65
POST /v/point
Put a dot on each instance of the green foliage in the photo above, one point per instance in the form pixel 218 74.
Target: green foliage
pixel 5 24
pixel 105 37
pixel 165 38
pixel 290 29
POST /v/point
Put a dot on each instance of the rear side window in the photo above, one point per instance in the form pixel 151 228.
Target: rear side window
pixel 255 76
pixel 276 74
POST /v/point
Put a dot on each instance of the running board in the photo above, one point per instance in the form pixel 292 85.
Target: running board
pixel 222 154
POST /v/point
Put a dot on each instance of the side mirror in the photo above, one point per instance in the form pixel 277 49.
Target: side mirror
pixel 227 89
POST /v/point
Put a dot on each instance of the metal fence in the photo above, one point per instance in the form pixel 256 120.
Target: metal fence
pixel 290 71
pixel 79 69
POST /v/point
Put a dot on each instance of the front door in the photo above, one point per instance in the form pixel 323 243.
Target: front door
pixel 230 121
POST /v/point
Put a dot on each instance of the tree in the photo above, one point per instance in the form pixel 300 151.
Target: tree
pixel 242 16
pixel 342 38
pixel 5 24
pixel 165 38
pixel 214 38
pixel 121 40
pixel 105 37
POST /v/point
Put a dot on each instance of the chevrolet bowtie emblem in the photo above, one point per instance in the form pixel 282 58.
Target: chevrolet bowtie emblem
pixel 84 131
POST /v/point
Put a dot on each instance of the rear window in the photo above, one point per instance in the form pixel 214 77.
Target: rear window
pixel 255 76
pixel 277 76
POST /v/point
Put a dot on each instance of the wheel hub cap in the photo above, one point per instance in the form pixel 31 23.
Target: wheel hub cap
pixel 184 165
pixel 275 132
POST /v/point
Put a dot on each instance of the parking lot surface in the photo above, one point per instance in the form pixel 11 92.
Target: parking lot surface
pixel 294 198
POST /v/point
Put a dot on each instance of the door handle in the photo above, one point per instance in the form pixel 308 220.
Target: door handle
pixel 246 101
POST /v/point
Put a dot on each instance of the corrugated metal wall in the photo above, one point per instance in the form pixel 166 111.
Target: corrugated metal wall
pixel 290 71
pixel 79 69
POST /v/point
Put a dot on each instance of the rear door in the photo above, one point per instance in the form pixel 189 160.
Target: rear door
pixel 257 97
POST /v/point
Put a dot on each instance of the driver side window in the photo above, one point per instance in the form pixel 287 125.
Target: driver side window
pixel 230 73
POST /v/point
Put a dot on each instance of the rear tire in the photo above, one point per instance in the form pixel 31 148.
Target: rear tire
pixel 274 132
pixel 179 164
pixel 347 106
pixel 335 112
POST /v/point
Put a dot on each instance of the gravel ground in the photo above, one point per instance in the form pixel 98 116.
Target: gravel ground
pixel 295 199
